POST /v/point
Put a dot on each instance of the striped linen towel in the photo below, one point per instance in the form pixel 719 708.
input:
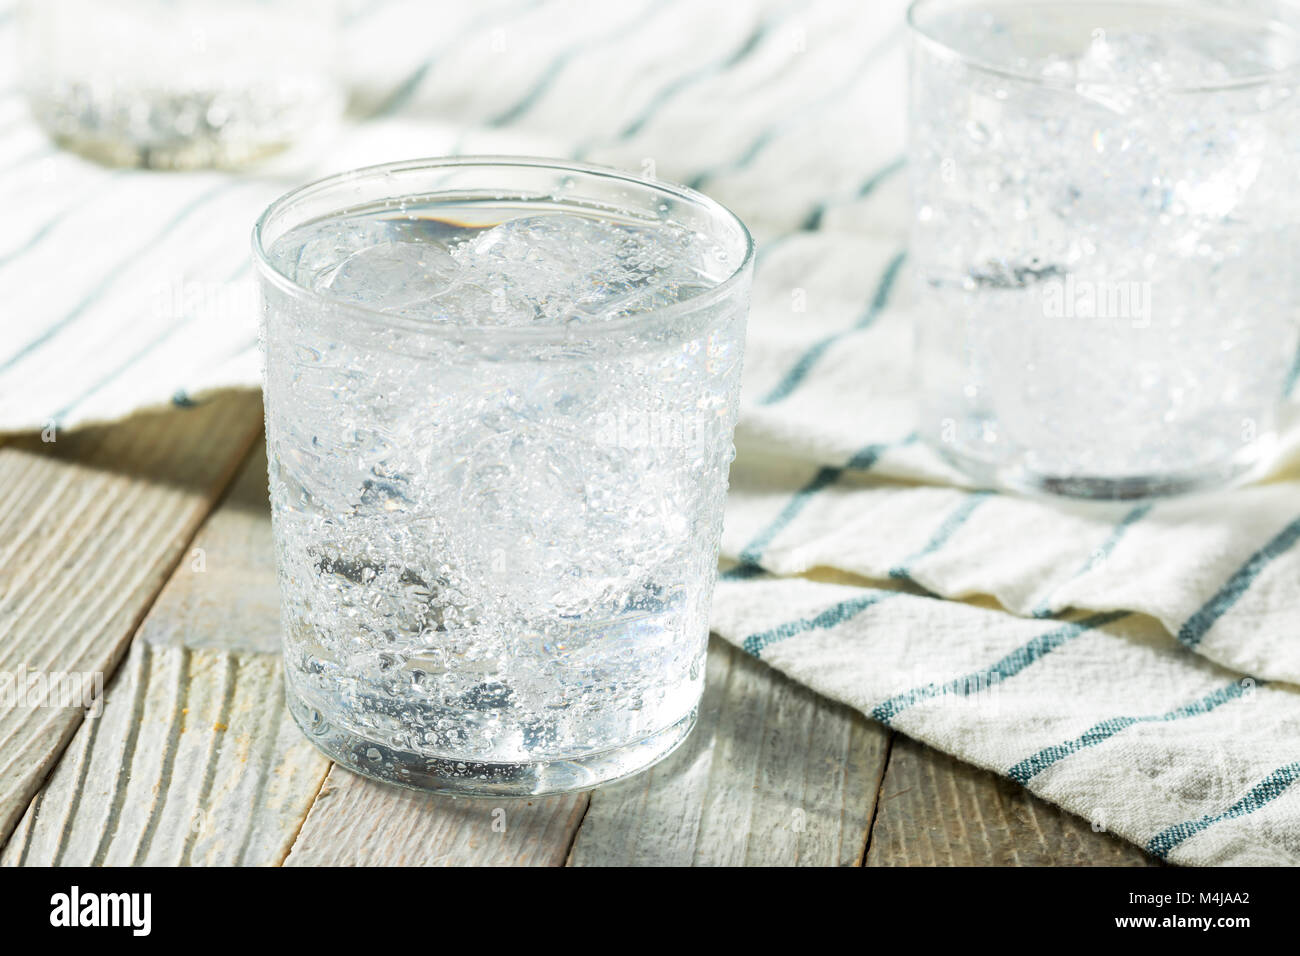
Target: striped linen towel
pixel 1128 662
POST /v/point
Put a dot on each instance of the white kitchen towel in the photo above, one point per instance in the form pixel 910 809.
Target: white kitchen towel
pixel 1101 713
pixel 123 289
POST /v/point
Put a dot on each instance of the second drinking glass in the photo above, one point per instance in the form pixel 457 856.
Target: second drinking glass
pixel 1106 227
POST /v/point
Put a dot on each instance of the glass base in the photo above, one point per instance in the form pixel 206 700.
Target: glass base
pixel 457 776
pixel 175 131
pixel 178 155
pixel 1020 476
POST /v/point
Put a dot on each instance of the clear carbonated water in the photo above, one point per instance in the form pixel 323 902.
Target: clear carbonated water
pixel 1106 226
pixel 497 505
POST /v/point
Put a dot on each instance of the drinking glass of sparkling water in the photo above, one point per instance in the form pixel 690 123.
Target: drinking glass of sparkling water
pixel 1106 230
pixel 500 396
pixel 175 84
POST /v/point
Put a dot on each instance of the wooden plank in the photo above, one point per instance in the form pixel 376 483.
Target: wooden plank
pixel 91 525
pixel 937 811
pixel 358 822
pixel 195 759
pixel 773 774
pixel 224 594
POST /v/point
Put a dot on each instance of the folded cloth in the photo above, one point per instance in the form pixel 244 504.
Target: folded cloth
pixel 1103 714
pixel 1128 662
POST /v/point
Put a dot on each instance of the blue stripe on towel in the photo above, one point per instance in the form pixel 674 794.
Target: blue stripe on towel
pixel 1196 626
pixel 404 91
pixel 814 220
pixel 131 361
pixel 1030 767
pixel 686 80
pixel 42 231
pixel 1132 517
pixel 824 477
pixel 364 11
pixel 1267 790
pixel 1292 375
pixel 832 616
pixel 565 56
pixel 115 273
pixel 793 118
pixel 946 530
pixel 799 371
pixel 49 226
pixel 40 152
pixel 1007 667
pixel 752 553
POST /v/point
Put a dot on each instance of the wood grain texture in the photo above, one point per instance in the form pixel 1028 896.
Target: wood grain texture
pixel 91 525
pixel 358 822
pixel 773 774
pixel 224 592
pixel 937 811
pixel 194 759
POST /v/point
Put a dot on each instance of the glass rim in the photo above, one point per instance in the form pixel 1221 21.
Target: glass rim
pixel 1262 78
pixel 559 334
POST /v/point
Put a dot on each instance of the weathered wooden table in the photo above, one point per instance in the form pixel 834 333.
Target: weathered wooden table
pixel 143 550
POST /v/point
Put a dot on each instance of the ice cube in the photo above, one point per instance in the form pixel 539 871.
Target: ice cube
pixel 1125 70
pixel 392 276
pixel 574 268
